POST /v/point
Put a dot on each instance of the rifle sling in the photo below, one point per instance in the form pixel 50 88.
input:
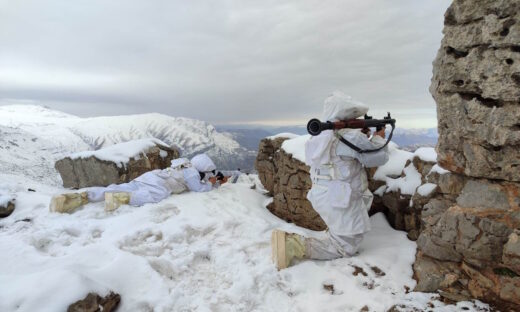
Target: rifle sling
pixel 361 151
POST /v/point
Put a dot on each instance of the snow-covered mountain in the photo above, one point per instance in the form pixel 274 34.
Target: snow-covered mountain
pixel 408 139
pixel 411 139
pixel 30 128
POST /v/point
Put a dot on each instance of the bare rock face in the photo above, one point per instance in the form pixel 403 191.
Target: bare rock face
pixel 92 171
pixel 470 230
pixel 288 181
pixel 476 84
pixel 95 303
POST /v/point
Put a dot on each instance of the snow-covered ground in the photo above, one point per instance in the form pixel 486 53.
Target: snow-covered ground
pixel 191 252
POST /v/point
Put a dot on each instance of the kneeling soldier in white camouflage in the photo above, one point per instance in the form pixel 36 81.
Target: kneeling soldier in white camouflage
pixel 339 190
pixel 150 187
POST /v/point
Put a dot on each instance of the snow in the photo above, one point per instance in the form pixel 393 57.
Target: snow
pixel 190 252
pixel 121 153
pixel 5 199
pixel 380 190
pixel 438 169
pixel 426 154
pixel 287 135
pixel 296 147
pixel 407 184
pixel 426 189
pixel 395 165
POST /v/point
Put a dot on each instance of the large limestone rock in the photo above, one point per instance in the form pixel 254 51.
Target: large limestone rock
pixel 115 164
pixel 476 84
pixel 468 246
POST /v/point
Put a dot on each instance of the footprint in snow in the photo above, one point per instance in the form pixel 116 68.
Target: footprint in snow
pixel 164 212
pixel 145 243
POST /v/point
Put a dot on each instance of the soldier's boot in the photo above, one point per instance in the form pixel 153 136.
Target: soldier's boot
pixel 115 200
pixel 286 247
pixel 67 203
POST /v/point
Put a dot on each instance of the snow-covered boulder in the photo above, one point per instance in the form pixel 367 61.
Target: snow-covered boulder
pixel 6 205
pixel 118 163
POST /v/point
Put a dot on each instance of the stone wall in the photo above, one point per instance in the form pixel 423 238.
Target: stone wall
pixel 287 180
pixel 91 171
pixel 469 247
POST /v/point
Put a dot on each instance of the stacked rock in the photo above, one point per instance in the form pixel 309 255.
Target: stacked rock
pixel 469 247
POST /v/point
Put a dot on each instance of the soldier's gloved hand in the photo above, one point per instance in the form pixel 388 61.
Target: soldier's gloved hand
pixel 381 133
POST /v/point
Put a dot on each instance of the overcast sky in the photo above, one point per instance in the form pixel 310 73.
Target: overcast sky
pixel 235 61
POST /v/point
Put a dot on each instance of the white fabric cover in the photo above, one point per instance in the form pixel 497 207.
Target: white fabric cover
pixel 339 106
pixel 177 163
pixel 339 190
pixel 203 163
pixel 317 149
pixel 154 186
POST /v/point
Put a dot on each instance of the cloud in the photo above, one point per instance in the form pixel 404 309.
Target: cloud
pixel 225 61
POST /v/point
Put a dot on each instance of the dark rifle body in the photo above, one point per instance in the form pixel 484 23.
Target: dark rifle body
pixel 315 127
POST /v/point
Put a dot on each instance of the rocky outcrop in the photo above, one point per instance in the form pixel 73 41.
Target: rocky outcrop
pixel 287 180
pixel 403 211
pixel 98 169
pixel 469 244
pixel 95 303
pixel 476 84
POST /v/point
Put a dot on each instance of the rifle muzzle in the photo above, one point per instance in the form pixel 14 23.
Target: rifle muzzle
pixel 315 126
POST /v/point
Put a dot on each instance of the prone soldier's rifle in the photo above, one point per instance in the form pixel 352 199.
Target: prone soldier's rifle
pixel 315 127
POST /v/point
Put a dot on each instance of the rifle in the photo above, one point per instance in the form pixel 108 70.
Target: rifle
pixel 231 175
pixel 315 127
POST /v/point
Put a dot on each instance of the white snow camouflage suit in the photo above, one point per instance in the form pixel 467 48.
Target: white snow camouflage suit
pixel 339 190
pixel 156 185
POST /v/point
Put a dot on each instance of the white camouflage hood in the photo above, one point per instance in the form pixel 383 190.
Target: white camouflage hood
pixel 203 163
pixel 339 106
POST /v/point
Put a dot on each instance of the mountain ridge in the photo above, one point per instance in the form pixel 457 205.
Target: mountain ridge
pixel 65 134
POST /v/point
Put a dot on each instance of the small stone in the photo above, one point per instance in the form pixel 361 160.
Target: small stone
pixel 329 288
pixel 95 303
